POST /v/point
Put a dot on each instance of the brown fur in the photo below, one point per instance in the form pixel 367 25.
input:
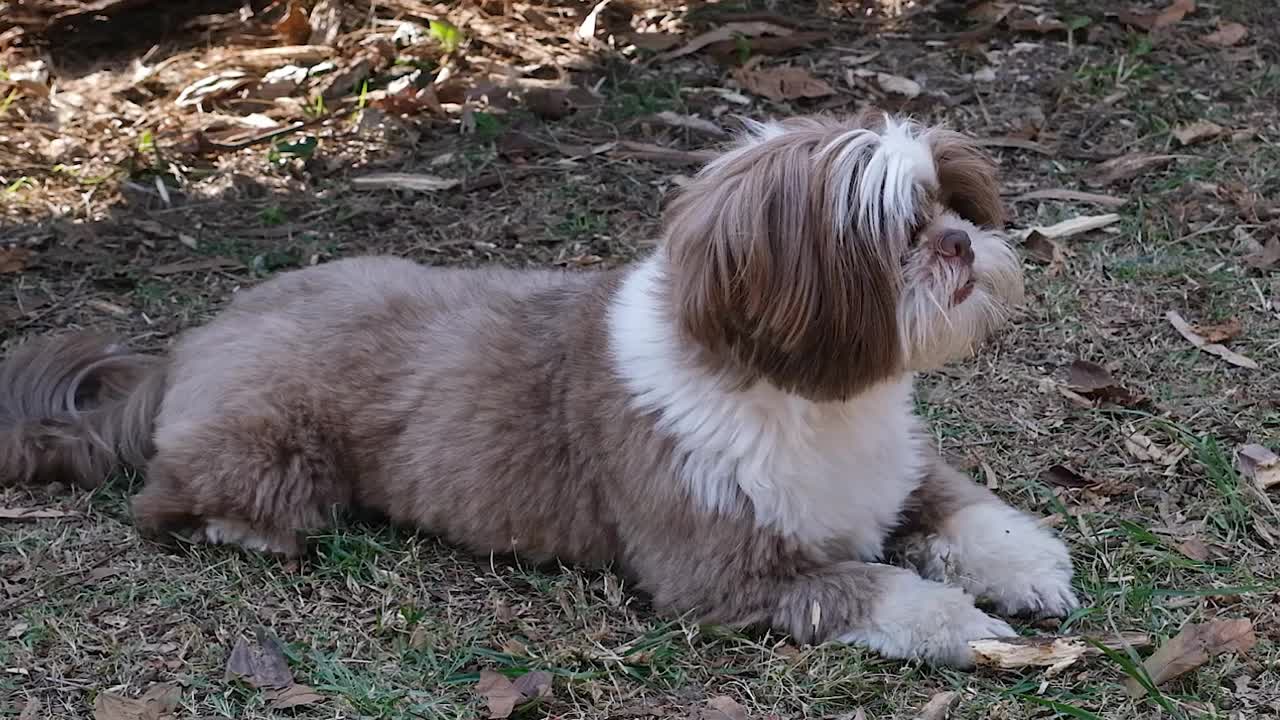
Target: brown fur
pixel 484 405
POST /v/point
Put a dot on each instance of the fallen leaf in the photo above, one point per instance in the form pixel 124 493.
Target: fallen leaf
pixel 294 28
pixel 1192 648
pixel 8 513
pixel 212 87
pixel 1227 34
pixel 658 153
pixel 654 41
pixel 726 32
pixel 404 181
pixel 782 83
pixel 1220 332
pixel 1262 259
pixel 1055 653
pixel 292 696
pixel 666 117
pixel 1095 382
pixel 1194 549
pixel 14 260
pixel 587 30
pixel 1126 167
pixel 1070 227
pixel 724 708
pixel 1072 196
pixel 727 51
pixel 261 665
pixel 1197 131
pixel 1144 448
pixel 1171 15
pixel 894 84
pixel 1065 477
pixel 1184 328
pixel 1260 464
pixel 157 703
pixel 1047 252
pixel 939 706
pixel 503 696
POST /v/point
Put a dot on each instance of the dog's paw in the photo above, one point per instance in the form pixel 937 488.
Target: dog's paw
pixel 913 618
pixel 1002 555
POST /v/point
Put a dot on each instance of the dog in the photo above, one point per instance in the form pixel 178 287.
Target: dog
pixel 728 422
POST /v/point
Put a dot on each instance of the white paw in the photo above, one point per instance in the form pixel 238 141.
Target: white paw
pixel 913 618
pixel 1003 555
pixel 221 531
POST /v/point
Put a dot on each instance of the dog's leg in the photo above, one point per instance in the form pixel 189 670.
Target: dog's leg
pixel 887 609
pixel 961 533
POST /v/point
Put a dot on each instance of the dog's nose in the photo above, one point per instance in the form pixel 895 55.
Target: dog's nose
pixel 955 243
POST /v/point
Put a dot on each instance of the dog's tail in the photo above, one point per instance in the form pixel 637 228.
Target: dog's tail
pixel 75 408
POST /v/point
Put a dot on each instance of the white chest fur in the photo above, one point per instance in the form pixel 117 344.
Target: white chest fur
pixel 815 472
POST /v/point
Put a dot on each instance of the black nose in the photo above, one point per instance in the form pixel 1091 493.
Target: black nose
pixel 955 243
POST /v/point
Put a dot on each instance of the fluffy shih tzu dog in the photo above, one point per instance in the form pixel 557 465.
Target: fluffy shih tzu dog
pixel 728 422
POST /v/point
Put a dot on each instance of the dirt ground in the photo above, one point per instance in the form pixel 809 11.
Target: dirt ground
pixel 135 201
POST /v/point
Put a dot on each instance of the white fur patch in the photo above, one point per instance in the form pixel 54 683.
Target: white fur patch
pixel 218 531
pixel 914 618
pixel 813 471
pixel 1001 554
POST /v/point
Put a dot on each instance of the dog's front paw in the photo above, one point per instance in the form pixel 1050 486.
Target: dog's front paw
pixel 1004 556
pixel 914 618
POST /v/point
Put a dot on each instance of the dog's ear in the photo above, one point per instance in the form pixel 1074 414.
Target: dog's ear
pixel 770 275
pixel 967 178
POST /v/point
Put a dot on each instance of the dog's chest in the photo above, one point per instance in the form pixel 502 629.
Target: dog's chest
pixel 822 474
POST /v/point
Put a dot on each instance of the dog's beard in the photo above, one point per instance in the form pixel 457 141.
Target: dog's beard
pixel 947 310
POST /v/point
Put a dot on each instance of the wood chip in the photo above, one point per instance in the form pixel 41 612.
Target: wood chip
pixel 1054 653
pixel 1066 195
pixel 1193 647
pixel 404 181
pixel 1260 464
pixel 1185 330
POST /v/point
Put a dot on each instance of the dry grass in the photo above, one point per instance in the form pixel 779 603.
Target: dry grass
pixel 389 624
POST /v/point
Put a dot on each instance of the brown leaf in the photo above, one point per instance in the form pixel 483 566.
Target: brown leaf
pixel 1125 167
pixel 1095 382
pixel 14 260
pixel 1155 21
pixel 1220 332
pixel 294 28
pixel 157 703
pixel 9 513
pixel 1066 195
pixel 1192 648
pixel 1186 331
pixel 782 83
pixel 1073 226
pixel 503 696
pixel 1046 252
pixel 262 665
pixel 1262 259
pixel 1197 131
pixel 1145 449
pixel 1051 652
pixel 727 51
pixel 1065 477
pixel 724 708
pixel 939 706
pixel 1194 549
pixel 1227 34
pixel 1259 464
pixel 292 696
pixel 726 32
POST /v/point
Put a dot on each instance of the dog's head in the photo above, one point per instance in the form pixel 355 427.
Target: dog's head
pixel 825 256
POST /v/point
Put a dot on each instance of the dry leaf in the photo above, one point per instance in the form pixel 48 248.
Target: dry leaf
pixel 1260 464
pixel 587 30
pixel 658 153
pixel 782 83
pixel 894 84
pixel 1065 477
pixel 294 28
pixel 1055 653
pixel 1227 34
pixel 1047 252
pixel 1220 332
pixel 1072 196
pixel 939 706
pixel 1184 328
pixel 292 696
pixel 728 51
pixel 212 87
pixel 503 696
pixel 690 122
pixel 1126 167
pixel 8 513
pixel 1071 227
pixel 1262 259
pixel 1144 448
pixel 262 665
pixel 157 703
pixel 1155 21
pixel 724 708
pixel 404 181
pixel 14 260
pixel 727 32
pixel 1197 131
pixel 1192 648
pixel 1194 549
